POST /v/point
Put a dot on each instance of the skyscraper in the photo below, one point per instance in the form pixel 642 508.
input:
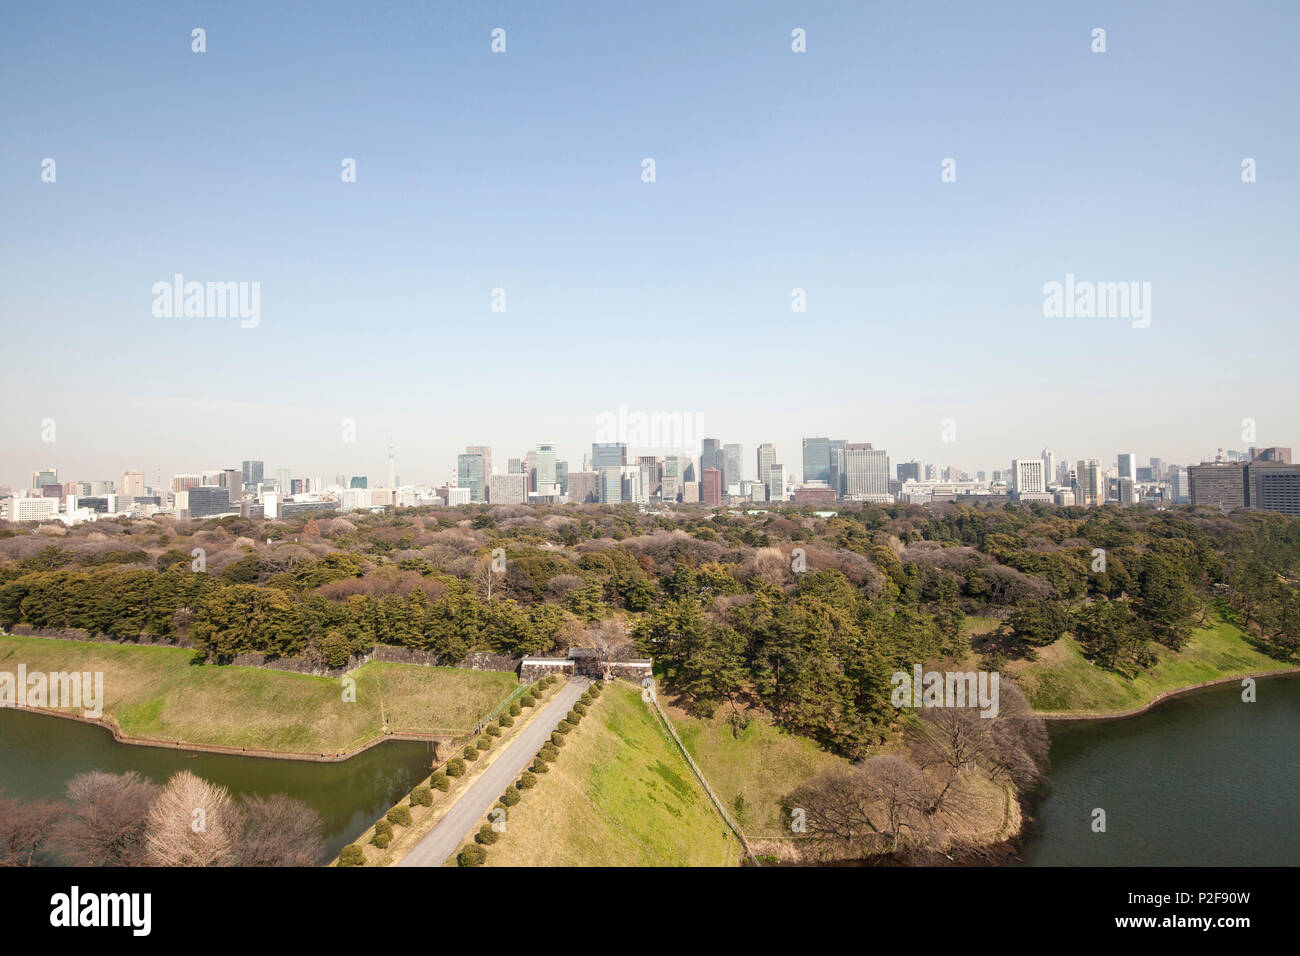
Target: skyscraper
pixel 711 487
pixel 776 483
pixel 608 455
pixel 1089 491
pixel 766 459
pixel 866 473
pixel 817 459
pixel 732 469
pixel 1127 465
pixel 546 467
pixel 485 452
pixel 471 474
pixel 1029 475
pixel 1049 467
pixel 251 472
pixel 710 454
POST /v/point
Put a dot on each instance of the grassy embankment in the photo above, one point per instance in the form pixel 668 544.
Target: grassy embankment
pixel 1061 681
pixel 156 692
pixel 620 794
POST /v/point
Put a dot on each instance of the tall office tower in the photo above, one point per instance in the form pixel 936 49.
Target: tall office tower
pixel 608 455
pixel 1157 469
pixel 1127 465
pixel 1049 467
pixel 689 470
pixel 1065 474
pixel 838 480
pixel 1089 490
pixel 392 468
pixel 776 483
pixel 611 484
pixel 283 478
pixel 732 469
pixel 766 459
pixel 1029 475
pixel 817 460
pixel 485 452
pixel 231 479
pixel 671 480
pixel 252 476
pixel 710 454
pixel 631 485
pixel 866 472
pixel 545 468
pixel 471 473
pixel 932 473
pixel 133 483
pixel 584 486
pixel 50 476
pixel 562 477
pixel 1177 478
pixel 514 466
pixel 711 487
pixel 358 481
pixel 340 481
pixel 909 471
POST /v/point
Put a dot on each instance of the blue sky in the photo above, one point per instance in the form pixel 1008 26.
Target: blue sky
pixel 522 171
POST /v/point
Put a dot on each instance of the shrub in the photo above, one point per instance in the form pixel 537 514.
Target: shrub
pixel 514 708
pixel 472 855
pixel 557 740
pixel 562 727
pixel 539 766
pixel 442 781
pixel 573 718
pixel 399 815
pixel 505 720
pixel 421 797
pixel 493 730
pixel 385 827
pixel 526 781
pixel 510 798
pixel 486 835
pixel 484 743
pixel 470 753
pixel 352 855
pixel 580 708
pixel 455 767
pixel 548 753
pixel 382 840
pixel 527 700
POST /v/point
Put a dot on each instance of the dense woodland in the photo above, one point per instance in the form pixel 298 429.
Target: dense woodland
pixel 804 616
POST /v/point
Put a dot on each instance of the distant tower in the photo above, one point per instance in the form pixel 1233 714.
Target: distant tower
pixel 392 467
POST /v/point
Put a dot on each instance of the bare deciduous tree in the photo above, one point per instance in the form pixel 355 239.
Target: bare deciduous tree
pixel 192 823
pixel 881 804
pixel 106 823
pixel 279 831
pixel 25 829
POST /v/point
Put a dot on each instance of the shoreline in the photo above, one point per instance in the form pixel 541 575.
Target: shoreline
pixel 1160 698
pixel 110 725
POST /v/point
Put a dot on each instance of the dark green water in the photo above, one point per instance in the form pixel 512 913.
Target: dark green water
pixel 1200 780
pixel 39 754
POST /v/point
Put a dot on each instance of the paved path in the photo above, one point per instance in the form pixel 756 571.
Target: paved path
pixel 449 832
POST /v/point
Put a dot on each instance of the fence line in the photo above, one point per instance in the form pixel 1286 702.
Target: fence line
pixel 699 775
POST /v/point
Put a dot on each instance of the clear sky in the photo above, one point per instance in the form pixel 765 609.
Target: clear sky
pixel 522 171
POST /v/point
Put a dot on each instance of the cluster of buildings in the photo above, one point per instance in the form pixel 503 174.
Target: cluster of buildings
pixel 832 470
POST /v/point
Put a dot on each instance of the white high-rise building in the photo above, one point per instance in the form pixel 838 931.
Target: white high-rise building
pixel 776 483
pixel 1127 465
pixel 1029 476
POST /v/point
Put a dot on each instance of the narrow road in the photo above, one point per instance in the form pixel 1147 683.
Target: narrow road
pixel 448 833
